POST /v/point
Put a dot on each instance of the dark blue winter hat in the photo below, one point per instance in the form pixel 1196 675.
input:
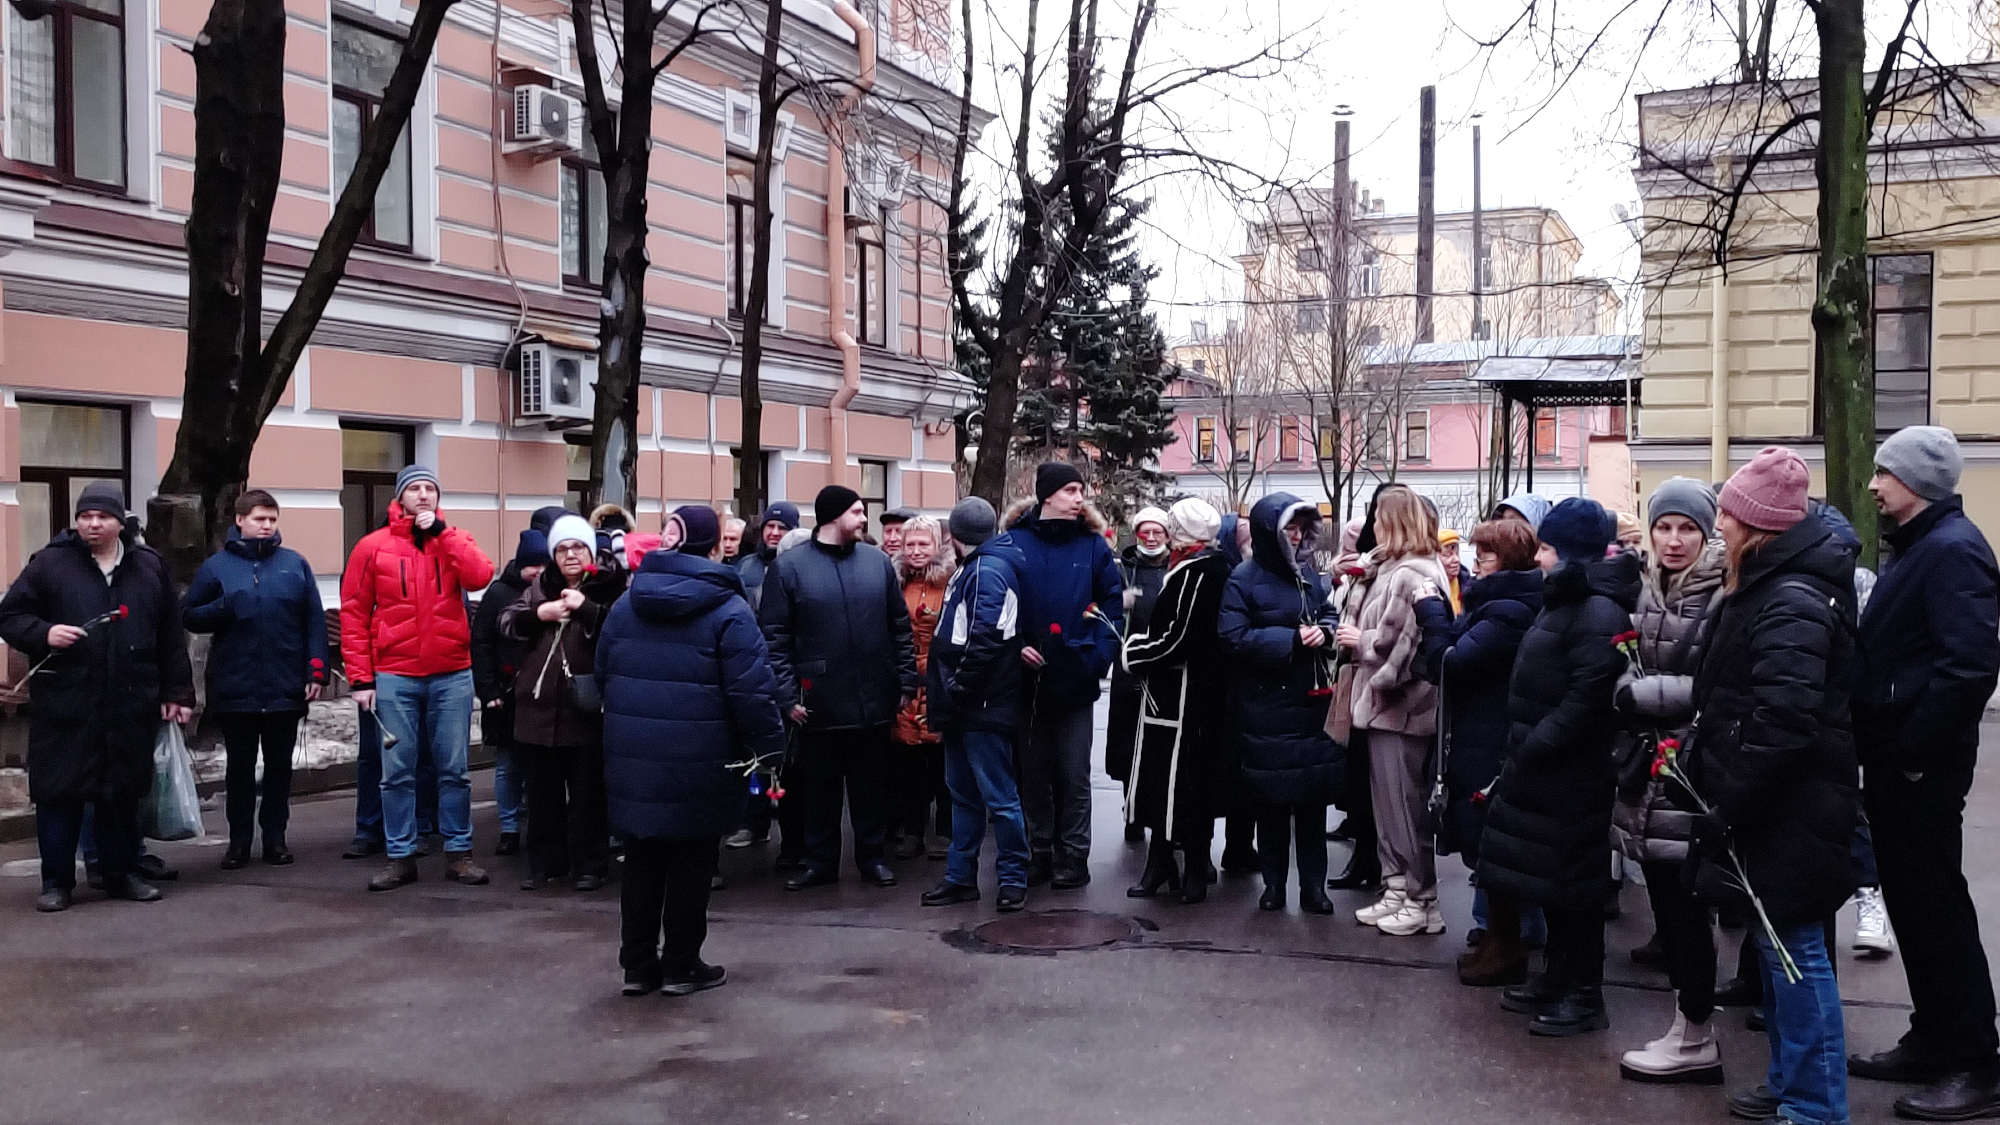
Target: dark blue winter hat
pixel 700 529
pixel 533 549
pixel 1579 529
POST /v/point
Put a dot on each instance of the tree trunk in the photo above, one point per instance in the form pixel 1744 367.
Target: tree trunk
pixel 231 384
pixel 750 481
pixel 1840 314
pixel 996 426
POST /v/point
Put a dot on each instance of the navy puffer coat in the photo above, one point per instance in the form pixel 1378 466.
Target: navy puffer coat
pixel 1277 719
pixel 687 689
pixel 262 603
pixel 1548 825
pixel 1499 609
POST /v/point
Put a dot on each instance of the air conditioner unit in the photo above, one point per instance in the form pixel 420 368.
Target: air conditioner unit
pixel 545 121
pixel 553 384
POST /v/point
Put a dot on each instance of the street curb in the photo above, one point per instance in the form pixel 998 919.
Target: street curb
pixel 305 783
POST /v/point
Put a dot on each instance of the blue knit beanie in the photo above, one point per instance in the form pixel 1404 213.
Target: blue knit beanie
pixel 1579 529
pixel 533 549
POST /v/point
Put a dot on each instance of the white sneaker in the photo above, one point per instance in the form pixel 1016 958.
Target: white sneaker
pixel 1871 928
pixel 1391 901
pixel 1687 1053
pixel 1418 916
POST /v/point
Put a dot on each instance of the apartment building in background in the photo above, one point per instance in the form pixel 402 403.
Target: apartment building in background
pixel 1260 407
pixel 1729 353
pixel 473 236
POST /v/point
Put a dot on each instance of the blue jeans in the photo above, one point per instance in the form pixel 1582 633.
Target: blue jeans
pixel 1534 924
pixel 507 785
pixel 979 771
pixel 429 716
pixel 368 784
pixel 1805 1026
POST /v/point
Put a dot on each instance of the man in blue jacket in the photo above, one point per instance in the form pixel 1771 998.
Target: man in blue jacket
pixel 975 703
pixel 1072 604
pixel 267 662
pixel 1929 657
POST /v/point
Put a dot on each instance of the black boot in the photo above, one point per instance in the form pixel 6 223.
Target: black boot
pixel 1199 873
pixel 1161 871
pixel 1581 1009
pixel 1540 992
pixel 1041 869
pixel 1960 1096
pixel 236 856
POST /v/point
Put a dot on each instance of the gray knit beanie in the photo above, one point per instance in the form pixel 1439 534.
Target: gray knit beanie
pixel 1925 458
pixel 1683 496
pixel 414 473
pixel 973 522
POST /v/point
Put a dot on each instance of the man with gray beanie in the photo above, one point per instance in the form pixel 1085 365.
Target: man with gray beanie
pixel 407 645
pixel 975 703
pixel 1929 658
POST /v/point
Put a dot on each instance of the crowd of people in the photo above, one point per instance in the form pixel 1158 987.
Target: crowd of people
pixel 1714 700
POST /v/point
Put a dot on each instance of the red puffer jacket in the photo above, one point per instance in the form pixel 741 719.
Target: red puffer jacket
pixel 402 608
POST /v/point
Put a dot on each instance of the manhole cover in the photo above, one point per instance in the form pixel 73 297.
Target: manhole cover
pixel 1057 929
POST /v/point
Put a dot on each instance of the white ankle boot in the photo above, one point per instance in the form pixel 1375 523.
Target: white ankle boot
pixel 1418 916
pixel 1871 924
pixel 1687 1053
pixel 1391 901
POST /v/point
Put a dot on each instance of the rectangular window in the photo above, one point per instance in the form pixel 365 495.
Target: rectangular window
pixel 1371 336
pixel 1417 435
pixel 871 313
pixel 1239 442
pixel 1204 440
pixel 1902 309
pixel 1309 260
pixel 1329 437
pixel 1288 440
pixel 1378 437
pixel 1312 317
pixel 1546 445
pixel 363 61
pixel 875 493
pixel 1200 366
pixel 583 217
pixel 66 89
pixel 370 458
pixel 577 448
pixel 65 446
pixel 738 250
pixel 1368 273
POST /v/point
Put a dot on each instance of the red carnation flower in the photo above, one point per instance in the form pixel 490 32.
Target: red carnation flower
pixel 1055 630
pixel 805 685
pixel 777 793
pixel 1670 744
pixel 124 611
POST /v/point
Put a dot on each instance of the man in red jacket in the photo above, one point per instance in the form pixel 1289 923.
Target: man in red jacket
pixel 408 649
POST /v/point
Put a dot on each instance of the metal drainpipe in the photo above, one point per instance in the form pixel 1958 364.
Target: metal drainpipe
pixel 1718 377
pixel 836 237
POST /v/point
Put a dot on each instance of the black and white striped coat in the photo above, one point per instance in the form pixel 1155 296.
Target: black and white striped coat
pixel 1179 778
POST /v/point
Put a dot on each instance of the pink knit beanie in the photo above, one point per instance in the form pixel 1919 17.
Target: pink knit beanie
pixel 1770 492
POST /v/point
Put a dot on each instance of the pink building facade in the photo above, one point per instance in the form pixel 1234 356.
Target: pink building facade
pixel 470 239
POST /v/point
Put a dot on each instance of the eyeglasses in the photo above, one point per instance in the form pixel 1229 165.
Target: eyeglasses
pixel 574 548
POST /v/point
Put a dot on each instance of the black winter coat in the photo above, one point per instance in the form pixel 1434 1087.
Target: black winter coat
pixel 262 603
pixel 1773 751
pixel 496 657
pixel 1548 824
pixel 1143 579
pixel 1178 783
pixel 687 691
pixel 1475 672
pixel 839 635
pixel 1278 688
pixel 545 707
pixel 95 708
pixel 1930 645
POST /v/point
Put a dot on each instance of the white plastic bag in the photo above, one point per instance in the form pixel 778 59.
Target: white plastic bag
pixel 173 811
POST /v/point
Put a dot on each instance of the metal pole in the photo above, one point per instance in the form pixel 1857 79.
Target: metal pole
pixel 1342 194
pixel 1426 211
pixel 1478 248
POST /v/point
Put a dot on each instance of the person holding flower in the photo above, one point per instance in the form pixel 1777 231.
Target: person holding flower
pixel 1654 818
pixel 1772 764
pixel 96 611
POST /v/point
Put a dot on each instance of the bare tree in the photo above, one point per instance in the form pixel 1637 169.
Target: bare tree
pixel 1057 206
pixel 235 376
pixel 632 31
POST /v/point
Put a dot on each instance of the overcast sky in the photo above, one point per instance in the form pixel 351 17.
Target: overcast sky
pixel 1569 149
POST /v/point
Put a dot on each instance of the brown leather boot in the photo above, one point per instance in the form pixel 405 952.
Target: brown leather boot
pixel 1499 958
pixel 461 869
pixel 398 873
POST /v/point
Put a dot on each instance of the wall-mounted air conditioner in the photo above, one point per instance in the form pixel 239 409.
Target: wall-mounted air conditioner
pixel 545 121
pixel 553 384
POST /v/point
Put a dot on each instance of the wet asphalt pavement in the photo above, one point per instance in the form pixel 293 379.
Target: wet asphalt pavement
pixel 291 995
